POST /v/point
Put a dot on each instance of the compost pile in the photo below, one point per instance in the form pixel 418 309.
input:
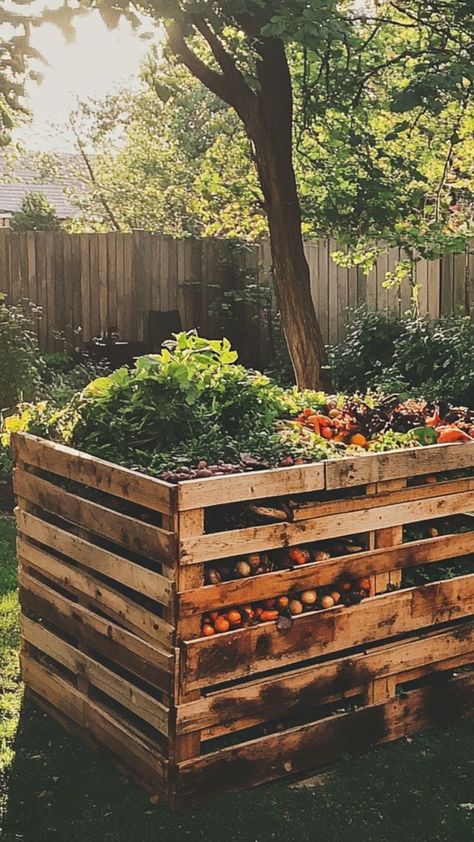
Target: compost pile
pixel 193 411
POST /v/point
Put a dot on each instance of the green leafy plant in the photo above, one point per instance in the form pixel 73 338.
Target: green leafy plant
pixel 412 356
pixel 367 351
pixel 20 364
pixel 36 214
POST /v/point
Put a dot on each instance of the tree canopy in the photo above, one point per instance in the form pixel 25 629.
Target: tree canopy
pixel 36 214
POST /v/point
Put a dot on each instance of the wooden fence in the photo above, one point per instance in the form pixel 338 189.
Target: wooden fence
pixel 88 283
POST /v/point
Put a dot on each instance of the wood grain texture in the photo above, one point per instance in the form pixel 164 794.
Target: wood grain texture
pixel 141 704
pixel 151 541
pixel 219 545
pixel 319 743
pixel 102 561
pixel 149 662
pixel 240 653
pixel 354 566
pixel 269 698
pixel 97 473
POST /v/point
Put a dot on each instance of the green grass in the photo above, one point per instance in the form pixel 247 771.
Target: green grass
pixel 10 688
pixel 52 787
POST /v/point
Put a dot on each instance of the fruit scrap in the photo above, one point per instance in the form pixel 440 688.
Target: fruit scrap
pixel 449 434
pixel 345 592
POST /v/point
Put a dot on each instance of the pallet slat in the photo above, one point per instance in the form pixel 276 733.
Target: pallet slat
pixel 95 473
pixel 111 602
pixel 245 705
pixel 156 543
pixel 109 564
pixel 140 703
pixel 320 573
pixel 150 663
pixel 108 729
pixel 397 464
pixel 320 743
pixel 218 545
pixel 243 652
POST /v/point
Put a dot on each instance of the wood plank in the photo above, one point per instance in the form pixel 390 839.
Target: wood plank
pixel 109 564
pixel 94 283
pixel 322 742
pixel 434 284
pixel 143 538
pixel 370 501
pixel 245 705
pixel 396 464
pixel 460 283
pixel 129 326
pixel 357 565
pixel 323 287
pixel 235 542
pixel 149 662
pixel 109 729
pixel 121 609
pixel 86 281
pixel 5 279
pixel 447 284
pixel 333 294
pixel 231 488
pixel 118 688
pixel 239 653
pixel 101 282
pixel 97 473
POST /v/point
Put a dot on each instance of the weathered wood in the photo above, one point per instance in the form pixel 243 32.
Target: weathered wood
pixel 107 599
pixel 96 473
pixel 259 538
pixel 322 742
pixel 143 538
pixel 109 729
pixel 239 653
pixel 380 496
pixel 149 662
pixel 231 488
pixel 396 464
pixel 354 566
pixel 141 704
pixel 109 564
pixel 87 613
pixel 244 705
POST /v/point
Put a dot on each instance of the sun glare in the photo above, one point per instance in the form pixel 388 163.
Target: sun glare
pixel 97 62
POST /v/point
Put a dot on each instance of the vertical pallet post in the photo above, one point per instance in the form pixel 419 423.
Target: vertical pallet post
pixel 384 538
pixel 190 524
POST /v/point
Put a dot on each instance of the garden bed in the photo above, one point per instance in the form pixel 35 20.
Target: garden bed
pixel 114 568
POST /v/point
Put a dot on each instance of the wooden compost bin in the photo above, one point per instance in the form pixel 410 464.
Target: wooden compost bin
pixel 112 567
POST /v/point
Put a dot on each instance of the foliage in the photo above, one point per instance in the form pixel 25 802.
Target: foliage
pixel 375 158
pixel 433 357
pixel 19 353
pixel 35 214
pixel 15 53
pixel 367 350
pixel 192 393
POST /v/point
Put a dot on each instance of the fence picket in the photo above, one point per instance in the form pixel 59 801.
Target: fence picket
pixel 90 282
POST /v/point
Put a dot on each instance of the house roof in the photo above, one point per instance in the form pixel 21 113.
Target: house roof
pixel 23 176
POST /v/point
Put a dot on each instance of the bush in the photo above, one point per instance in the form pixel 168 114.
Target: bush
pixel 422 356
pixel 366 352
pixel 20 363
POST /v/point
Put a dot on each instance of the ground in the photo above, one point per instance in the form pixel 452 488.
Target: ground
pixel 52 788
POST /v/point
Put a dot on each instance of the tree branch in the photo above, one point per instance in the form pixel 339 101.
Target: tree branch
pixel 228 86
pixel 108 210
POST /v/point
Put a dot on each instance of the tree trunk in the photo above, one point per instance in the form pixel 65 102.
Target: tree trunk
pixel 270 127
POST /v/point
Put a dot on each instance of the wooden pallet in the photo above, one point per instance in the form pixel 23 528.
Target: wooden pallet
pixel 112 588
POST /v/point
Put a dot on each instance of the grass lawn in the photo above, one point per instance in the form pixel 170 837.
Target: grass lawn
pixel 52 788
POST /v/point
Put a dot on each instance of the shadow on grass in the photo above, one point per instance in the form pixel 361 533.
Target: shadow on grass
pixel 59 790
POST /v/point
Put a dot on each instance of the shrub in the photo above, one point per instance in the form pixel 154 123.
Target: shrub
pixel 422 356
pixel 20 363
pixel 367 351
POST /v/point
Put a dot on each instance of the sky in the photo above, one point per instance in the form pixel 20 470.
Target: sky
pixel 97 62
